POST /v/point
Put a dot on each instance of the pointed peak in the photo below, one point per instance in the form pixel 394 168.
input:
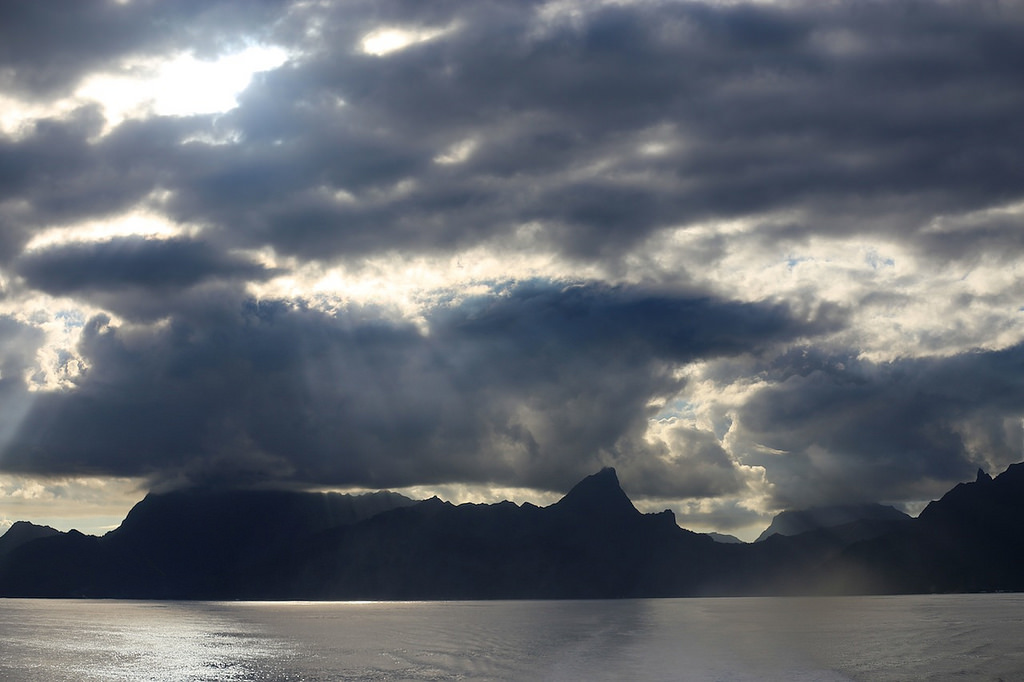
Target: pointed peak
pixel 982 476
pixel 598 494
pixel 605 479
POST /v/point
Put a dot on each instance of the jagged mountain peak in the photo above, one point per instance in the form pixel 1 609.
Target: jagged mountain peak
pixel 991 502
pixel 598 495
pixel 592 543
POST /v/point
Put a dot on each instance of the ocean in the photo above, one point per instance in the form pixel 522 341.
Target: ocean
pixel 934 637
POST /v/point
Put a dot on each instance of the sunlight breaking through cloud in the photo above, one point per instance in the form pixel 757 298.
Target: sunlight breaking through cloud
pixel 181 86
pixel 386 40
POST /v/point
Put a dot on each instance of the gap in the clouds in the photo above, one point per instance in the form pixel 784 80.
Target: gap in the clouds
pixel 58 364
pixel 410 285
pixel 88 504
pixel 182 85
pixel 176 85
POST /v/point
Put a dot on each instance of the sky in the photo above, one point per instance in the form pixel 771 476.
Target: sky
pixel 754 255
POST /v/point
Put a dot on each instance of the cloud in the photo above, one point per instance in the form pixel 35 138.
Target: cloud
pixel 601 130
pixel 684 463
pixel 57 175
pixel 131 262
pixel 536 384
pixel 993 233
pixel 138 278
pixel 754 109
pixel 838 428
pixel 49 49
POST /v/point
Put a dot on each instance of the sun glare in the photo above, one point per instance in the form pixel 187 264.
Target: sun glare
pixel 180 86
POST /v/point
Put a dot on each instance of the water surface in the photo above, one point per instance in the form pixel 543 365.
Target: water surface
pixel 964 637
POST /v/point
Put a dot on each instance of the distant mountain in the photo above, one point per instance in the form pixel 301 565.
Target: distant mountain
pixel 725 538
pixel 187 544
pixel 970 540
pixel 20 533
pixel 593 543
pixel 800 521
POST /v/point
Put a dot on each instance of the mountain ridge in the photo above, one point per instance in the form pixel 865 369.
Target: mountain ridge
pixel 795 522
pixel 22 532
pixel 592 543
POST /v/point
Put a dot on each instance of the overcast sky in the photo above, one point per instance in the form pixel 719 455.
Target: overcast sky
pixel 755 256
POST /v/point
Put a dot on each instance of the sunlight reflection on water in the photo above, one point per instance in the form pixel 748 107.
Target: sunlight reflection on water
pixel 972 637
pixel 123 640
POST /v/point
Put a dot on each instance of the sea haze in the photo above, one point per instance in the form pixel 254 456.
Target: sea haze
pixel 933 637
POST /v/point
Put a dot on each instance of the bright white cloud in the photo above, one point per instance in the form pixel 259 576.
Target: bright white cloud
pixel 141 221
pixel 457 153
pixel 385 40
pixel 57 360
pixel 411 284
pixel 181 85
pixel 901 304
pixel 16 116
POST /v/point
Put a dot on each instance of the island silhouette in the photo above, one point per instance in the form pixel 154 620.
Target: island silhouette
pixel 593 543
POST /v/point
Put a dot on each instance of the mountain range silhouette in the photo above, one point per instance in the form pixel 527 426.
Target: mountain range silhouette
pixel 593 543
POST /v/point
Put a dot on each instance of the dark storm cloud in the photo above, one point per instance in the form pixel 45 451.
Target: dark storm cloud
pixel 156 265
pixel 849 429
pixel 621 322
pixel 598 128
pixel 533 385
pixel 141 279
pixel 999 235
pixel 56 174
pixel 878 116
